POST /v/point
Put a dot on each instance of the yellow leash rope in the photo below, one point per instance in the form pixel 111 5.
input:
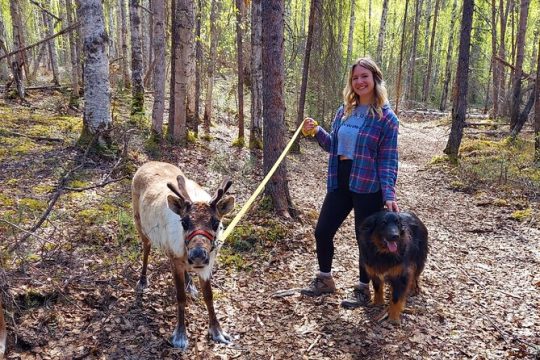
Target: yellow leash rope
pixel 261 186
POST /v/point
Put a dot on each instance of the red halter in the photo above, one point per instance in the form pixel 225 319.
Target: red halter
pixel 204 233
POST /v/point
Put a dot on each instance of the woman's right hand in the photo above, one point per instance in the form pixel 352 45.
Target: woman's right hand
pixel 310 126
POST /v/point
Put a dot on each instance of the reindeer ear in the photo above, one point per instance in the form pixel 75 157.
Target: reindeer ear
pixel 225 206
pixel 178 205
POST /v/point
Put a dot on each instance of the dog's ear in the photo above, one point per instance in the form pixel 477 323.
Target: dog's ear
pixel 368 225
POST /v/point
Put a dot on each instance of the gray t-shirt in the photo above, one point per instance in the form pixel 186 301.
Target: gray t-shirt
pixel 348 132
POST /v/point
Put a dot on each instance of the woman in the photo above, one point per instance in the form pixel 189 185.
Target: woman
pixel 362 169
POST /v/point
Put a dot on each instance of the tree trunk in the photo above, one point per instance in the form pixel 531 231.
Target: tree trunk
pixel 520 46
pixel 427 79
pixel 137 72
pixel 409 93
pixel 382 30
pixel 17 62
pixel 4 73
pixel 51 46
pixel 184 23
pixel 503 15
pixel 494 62
pixel 240 67
pixel 187 37
pixel 74 56
pixel 537 112
pixel 314 11
pixel 198 63
pixel 459 107
pixel 398 95
pixel 214 9
pixel 125 59
pixel 274 103
pixel 523 116
pixel 255 134
pixel 350 39
pixel 158 17
pixel 450 50
pixel 97 96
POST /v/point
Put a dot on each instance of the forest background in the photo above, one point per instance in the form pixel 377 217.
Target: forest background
pixel 215 86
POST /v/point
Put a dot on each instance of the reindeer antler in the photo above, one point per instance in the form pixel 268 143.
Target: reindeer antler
pixel 222 190
pixel 180 189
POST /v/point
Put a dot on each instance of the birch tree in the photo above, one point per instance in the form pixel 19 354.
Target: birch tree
pixel 17 62
pixel 124 40
pixel 97 95
pixel 137 71
pixel 158 10
pixel 74 56
pixel 214 9
pixel 449 51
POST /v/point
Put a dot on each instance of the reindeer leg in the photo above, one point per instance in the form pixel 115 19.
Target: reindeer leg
pixel 179 337
pixel 143 280
pixel 214 330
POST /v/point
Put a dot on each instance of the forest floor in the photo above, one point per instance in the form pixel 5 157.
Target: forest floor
pixel 69 291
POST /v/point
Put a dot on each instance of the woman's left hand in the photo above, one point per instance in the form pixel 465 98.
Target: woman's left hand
pixel 392 205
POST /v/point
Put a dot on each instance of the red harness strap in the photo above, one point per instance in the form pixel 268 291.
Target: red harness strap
pixel 204 233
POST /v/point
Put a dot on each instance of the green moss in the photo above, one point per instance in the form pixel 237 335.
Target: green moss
pixel 6 201
pixel 500 202
pixel 191 137
pixel 42 189
pixel 32 204
pixel 231 260
pixel 255 144
pixel 12 182
pixel 239 142
pixel 521 215
pixel 78 184
pixel 439 159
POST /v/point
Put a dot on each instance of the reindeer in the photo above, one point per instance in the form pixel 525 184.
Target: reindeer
pixel 177 215
pixel 3 333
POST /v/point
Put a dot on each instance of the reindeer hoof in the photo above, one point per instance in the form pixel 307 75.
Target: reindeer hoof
pixel 219 336
pixel 179 339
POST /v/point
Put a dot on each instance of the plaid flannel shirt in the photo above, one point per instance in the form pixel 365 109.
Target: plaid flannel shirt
pixel 375 163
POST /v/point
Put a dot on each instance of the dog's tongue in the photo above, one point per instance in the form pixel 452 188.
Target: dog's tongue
pixel 392 246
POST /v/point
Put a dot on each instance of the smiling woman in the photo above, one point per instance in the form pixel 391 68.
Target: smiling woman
pixel 362 169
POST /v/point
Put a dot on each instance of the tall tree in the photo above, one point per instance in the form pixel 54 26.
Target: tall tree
pixel 198 62
pixel 461 87
pixel 449 51
pixel 74 56
pixel 494 62
pixel 427 79
pixel 518 66
pixel 124 38
pixel 255 133
pixel 240 65
pixel 537 112
pixel 4 73
pixel 409 92
pixel 274 103
pixel 503 15
pixel 382 30
pixel 350 40
pixel 137 71
pixel 97 95
pixel 398 91
pixel 18 61
pixel 158 18
pixel 51 45
pixel 314 10
pixel 183 71
pixel 214 9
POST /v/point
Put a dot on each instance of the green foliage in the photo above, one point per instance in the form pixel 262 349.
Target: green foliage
pixel 521 215
pixel 239 142
pixel 191 137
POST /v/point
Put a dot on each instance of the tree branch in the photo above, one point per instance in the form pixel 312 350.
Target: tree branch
pixel 61 32
pixel 45 10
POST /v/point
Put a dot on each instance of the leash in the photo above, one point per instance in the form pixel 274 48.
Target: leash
pixel 261 186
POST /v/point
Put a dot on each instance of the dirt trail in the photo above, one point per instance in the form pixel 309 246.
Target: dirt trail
pixel 480 294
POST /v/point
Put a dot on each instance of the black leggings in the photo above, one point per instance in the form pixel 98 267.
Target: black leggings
pixel 336 206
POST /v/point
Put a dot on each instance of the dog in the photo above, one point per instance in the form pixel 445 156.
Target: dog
pixel 393 248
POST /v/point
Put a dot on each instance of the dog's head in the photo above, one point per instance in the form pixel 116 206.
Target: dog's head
pixel 387 232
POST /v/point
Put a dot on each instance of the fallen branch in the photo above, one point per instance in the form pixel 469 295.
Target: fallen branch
pixel 39 138
pixel 61 32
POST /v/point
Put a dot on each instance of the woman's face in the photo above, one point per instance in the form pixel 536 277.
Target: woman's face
pixel 363 84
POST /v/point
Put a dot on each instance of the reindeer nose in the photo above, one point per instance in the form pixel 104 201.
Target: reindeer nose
pixel 198 257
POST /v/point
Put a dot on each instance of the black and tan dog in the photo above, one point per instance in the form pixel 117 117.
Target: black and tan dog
pixel 393 249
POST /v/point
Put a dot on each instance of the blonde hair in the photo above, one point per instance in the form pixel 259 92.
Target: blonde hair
pixel 380 95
